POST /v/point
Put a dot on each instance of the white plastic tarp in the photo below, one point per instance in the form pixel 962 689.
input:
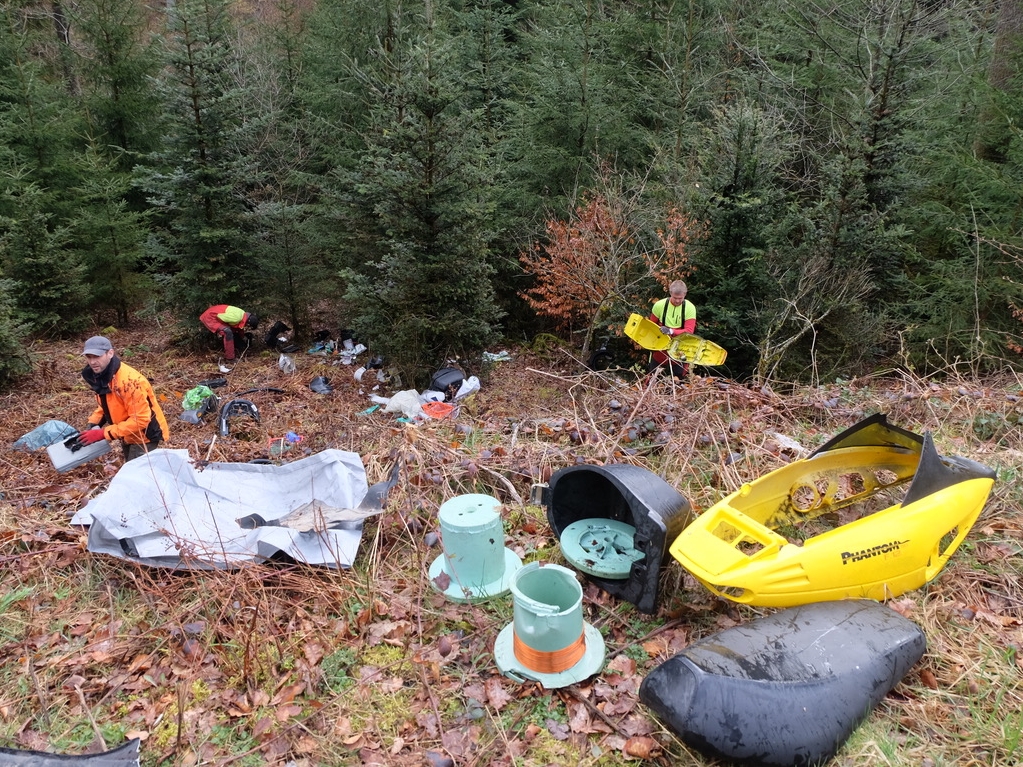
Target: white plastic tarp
pixel 160 510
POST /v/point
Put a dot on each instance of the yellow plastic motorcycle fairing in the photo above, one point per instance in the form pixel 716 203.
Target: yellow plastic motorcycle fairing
pixel 737 549
pixel 684 347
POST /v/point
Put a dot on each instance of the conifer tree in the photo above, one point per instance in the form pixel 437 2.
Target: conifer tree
pixel 117 63
pixel 421 286
pixel 39 168
pixel 111 238
pixel 45 272
pixel 39 126
pixel 193 183
pixel 292 266
pixel 14 359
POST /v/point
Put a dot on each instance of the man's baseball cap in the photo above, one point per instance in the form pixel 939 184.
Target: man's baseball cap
pixel 97 345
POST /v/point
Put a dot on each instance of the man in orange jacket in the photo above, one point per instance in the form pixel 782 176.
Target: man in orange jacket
pixel 229 322
pixel 127 406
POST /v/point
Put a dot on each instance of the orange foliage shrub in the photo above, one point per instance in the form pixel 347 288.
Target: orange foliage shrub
pixel 596 260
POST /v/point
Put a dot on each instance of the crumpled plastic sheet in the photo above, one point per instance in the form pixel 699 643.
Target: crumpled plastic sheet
pixel 48 434
pixel 321 385
pixel 469 386
pixel 286 364
pixel 160 510
pixel 405 402
pixel 195 397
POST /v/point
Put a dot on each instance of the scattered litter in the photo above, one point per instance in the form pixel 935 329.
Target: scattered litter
pixel 213 383
pixel 196 396
pixel 286 363
pixel 322 348
pixel 447 380
pixel 359 373
pixel 350 352
pixel 71 453
pixel 235 407
pixel 281 445
pixel 224 368
pixel 197 402
pixel 316 516
pixel 853 474
pixel 321 385
pixel 501 356
pixel 370 409
pixel 438 409
pixel 45 435
pixel 277 337
pixel 469 386
pixel 787 443
pixel 405 402
pixel 755 693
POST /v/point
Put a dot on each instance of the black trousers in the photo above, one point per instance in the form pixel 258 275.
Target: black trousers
pixel 678 369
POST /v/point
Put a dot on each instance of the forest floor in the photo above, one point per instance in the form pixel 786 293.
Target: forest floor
pixel 290 664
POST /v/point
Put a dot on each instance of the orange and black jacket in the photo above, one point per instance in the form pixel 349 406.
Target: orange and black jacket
pixel 127 405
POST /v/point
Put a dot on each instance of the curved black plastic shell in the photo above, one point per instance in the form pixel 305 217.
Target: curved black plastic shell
pixel 126 755
pixel 629 494
pixel 787 689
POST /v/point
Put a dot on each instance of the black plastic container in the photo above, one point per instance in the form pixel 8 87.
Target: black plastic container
pixel 623 493
pixel 448 381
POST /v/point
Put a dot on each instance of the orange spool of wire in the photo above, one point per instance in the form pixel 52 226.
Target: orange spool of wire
pixel 549 662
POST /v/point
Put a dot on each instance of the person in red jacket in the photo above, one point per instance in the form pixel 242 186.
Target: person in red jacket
pixel 674 315
pixel 127 407
pixel 230 323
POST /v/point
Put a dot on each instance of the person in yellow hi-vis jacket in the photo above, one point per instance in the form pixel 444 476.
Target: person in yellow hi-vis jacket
pixel 230 323
pixel 674 315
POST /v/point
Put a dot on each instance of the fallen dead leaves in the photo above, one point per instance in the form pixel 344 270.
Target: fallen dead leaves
pixel 217 668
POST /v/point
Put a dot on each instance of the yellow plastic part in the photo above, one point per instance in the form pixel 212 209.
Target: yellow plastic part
pixel 684 347
pixel 736 548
